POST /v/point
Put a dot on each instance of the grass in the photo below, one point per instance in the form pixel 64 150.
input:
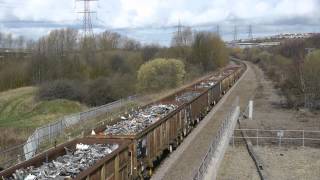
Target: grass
pixel 18 109
pixel 21 114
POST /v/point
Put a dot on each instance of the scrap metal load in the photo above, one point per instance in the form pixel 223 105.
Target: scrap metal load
pixel 228 72
pixel 130 146
pixel 187 96
pixel 138 120
pixel 213 80
pixel 206 84
pixel 68 165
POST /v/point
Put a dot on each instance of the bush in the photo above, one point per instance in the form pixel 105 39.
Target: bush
pixel 93 93
pixel 99 92
pixel 61 89
pixel 160 74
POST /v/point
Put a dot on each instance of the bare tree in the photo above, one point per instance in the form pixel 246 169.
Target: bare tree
pixel 70 40
pixel 130 44
pixel 108 40
pixel 183 38
pixel 20 43
pixel 9 41
pixel 2 37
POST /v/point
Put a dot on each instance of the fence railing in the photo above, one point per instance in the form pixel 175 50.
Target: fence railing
pixel 50 132
pixel 202 170
pixel 278 137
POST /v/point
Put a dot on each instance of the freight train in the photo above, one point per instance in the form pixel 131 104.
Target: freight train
pixel 131 146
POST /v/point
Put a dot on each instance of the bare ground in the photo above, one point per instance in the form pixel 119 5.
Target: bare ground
pixel 269 113
pixel 280 163
pixel 237 165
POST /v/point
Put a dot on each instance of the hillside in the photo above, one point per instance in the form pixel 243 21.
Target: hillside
pixel 20 113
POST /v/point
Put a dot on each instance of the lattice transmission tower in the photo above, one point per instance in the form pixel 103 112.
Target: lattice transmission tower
pixel 87 15
pixel 235 33
pixel 179 34
pixel 218 30
pixel 250 35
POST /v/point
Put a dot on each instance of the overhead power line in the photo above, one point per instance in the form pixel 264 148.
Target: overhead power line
pixel 250 35
pixel 235 33
pixel 87 21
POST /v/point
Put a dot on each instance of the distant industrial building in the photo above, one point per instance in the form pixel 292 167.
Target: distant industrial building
pixel 244 45
pixel 12 52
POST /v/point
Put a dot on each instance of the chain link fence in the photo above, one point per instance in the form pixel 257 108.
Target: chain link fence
pixel 50 132
pixel 202 170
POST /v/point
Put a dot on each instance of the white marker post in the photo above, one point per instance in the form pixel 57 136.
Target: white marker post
pixel 250 109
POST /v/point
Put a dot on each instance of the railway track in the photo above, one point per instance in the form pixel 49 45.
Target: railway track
pixel 144 135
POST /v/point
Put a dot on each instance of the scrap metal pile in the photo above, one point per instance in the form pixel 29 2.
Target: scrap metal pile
pixel 68 165
pixel 228 72
pixel 186 97
pixel 139 120
pixel 206 84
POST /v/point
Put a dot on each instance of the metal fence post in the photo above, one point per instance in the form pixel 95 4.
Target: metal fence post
pixel 233 139
pixel 303 138
pixel 280 141
pixel 50 132
pixel 61 125
pixel 257 137
pixel 38 137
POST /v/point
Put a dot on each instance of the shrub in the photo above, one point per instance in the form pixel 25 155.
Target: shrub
pixel 99 92
pixel 160 74
pixel 61 89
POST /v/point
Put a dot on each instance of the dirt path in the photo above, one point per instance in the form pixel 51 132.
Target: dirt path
pixel 182 163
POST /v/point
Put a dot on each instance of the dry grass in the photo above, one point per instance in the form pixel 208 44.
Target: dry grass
pixel 278 163
pixel 237 165
pixel 9 136
pixel 20 114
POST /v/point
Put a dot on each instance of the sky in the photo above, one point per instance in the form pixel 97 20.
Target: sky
pixel 137 18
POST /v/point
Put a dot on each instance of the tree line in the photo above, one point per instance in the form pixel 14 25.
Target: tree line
pixel 295 67
pixel 97 70
pixel 8 41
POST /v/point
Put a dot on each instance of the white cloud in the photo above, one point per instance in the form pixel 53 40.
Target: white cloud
pixel 165 12
pixel 141 13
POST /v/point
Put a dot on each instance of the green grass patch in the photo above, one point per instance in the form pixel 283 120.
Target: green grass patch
pixel 19 109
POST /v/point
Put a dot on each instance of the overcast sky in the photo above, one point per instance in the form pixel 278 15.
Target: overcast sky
pixel 34 17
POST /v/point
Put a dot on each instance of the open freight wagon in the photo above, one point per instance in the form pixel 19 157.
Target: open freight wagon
pixel 168 131
pixel 115 165
pixel 135 154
